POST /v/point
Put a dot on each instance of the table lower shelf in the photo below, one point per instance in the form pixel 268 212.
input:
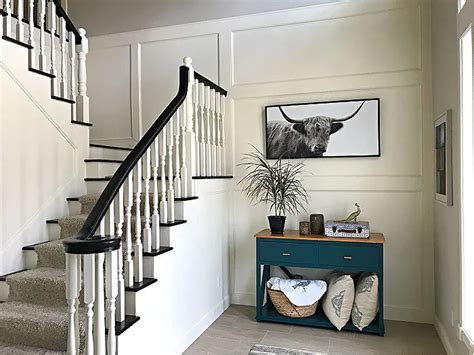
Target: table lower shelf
pixel 269 314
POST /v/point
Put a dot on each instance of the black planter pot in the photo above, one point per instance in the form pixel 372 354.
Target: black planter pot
pixel 277 224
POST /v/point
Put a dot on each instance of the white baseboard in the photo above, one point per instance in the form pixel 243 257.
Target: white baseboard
pixel 443 336
pixel 246 299
pixel 202 325
pixel 404 314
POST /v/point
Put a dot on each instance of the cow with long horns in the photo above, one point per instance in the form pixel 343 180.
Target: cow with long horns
pixel 308 137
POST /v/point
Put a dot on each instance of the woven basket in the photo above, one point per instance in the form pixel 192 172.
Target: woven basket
pixel 288 309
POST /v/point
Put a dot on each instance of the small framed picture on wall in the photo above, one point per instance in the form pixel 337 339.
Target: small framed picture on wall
pixel 334 129
pixel 443 159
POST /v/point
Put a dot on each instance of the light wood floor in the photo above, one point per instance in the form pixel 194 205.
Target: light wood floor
pixel 236 331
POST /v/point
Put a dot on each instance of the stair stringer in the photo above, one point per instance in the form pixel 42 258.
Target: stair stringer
pixel 42 156
pixel 193 284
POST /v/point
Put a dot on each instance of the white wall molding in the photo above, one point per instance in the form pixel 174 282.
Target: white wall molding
pixel 443 336
pixel 237 51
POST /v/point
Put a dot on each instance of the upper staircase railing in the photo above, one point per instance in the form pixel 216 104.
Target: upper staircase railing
pixel 61 51
pixel 185 141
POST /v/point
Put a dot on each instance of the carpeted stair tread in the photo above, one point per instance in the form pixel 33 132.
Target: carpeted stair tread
pixel 71 225
pixel 36 325
pixel 51 254
pixel 43 286
pixel 9 349
pixel 88 202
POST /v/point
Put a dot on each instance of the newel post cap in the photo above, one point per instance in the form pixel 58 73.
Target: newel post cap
pixel 187 61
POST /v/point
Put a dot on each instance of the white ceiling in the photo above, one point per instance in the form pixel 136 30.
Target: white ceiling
pixel 113 16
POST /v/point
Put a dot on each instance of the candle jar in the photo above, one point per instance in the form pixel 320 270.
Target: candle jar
pixel 304 228
pixel 317 224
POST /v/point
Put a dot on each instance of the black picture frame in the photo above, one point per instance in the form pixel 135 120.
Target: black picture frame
pixel 378 122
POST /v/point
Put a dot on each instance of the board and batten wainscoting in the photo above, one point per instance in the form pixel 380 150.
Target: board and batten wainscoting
pixel 345 50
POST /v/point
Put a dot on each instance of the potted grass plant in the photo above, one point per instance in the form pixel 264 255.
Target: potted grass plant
pixel 277 185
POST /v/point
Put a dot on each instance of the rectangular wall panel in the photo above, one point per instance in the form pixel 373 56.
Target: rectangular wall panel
pixel 160 61
pixel 109 89
pixel 369 43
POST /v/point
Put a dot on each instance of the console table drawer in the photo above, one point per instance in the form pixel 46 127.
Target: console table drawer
pixel 287 252
pixel 354 256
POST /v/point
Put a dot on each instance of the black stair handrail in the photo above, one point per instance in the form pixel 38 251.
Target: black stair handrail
pixel 60 12
pixel 86 242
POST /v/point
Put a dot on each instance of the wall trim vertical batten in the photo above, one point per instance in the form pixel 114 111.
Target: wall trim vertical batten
pixel 135 91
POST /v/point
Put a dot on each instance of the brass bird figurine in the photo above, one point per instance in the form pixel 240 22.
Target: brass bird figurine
pixel 353 216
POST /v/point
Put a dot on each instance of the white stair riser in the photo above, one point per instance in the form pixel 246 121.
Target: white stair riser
pixel 4 291
pixel 101 169
pixel 99 186
pixel 107 153
pixel 54 231
pixel 31 259
pixel 74 208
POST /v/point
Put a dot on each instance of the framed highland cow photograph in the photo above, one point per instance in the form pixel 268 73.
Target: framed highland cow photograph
pixel 336 129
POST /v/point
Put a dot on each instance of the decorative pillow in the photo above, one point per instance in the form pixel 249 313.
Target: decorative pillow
pixel 366 300
pixel 339 299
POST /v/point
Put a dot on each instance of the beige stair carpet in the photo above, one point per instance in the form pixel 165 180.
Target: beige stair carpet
pixel 36 325
pixel 34 320
pixel 8 349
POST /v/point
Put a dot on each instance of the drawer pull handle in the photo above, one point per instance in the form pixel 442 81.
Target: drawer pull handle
pixel 285 254
pixel 348 258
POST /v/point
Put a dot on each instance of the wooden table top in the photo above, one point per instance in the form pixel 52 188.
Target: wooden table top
pixel 294 234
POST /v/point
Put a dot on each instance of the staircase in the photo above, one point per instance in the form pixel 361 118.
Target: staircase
pixel 79 290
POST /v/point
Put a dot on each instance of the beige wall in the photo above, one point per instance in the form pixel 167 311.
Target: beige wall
pixel 447 234
pixel 340 51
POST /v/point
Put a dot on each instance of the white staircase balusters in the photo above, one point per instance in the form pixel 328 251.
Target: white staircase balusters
pixel 222 126
pixel 155 219
pixel 208 130
pixel 147 228
pixel 76 316
pixel 7 8
pixel 163 202
pixel 137 246
pixel 202 133
pixel 72 293
pixel 99 313
pixel 218 135
pixel 89 297
pixel 119 220
pixel 177 155
pixel 42 49
pixel 189 139
pixel 52 29
pixel 72 58
pixel 82 102
pixel 170 172
pixel 213 134
pixel 62 38
pixel 31 33
pixel 128 264
pixel 111 291
pixel 196 125
pixel 184 166
pixel 111 213
pixel 20 29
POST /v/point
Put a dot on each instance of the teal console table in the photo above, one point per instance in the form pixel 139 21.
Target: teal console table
pixel 319 252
